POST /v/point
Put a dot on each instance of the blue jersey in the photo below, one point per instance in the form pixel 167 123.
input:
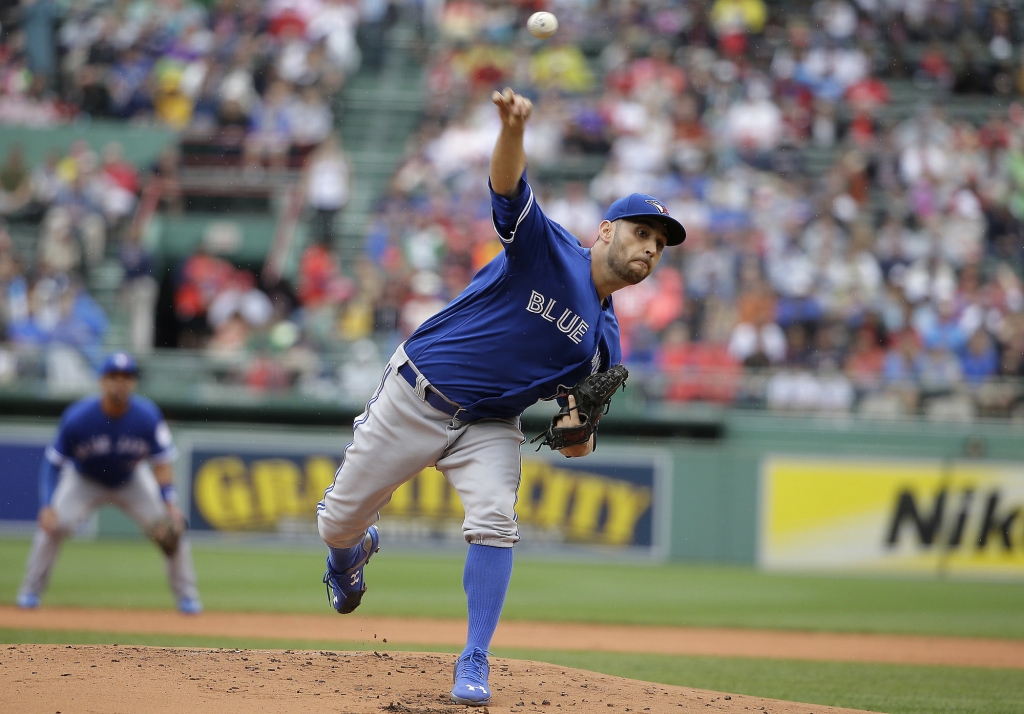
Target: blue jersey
pixel 528 325
pixel 107 450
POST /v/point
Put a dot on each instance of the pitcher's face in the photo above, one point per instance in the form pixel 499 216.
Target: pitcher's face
pixel 636 248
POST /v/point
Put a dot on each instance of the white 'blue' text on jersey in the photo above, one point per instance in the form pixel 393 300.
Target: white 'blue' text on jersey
pixel 107 450
pixel 529 323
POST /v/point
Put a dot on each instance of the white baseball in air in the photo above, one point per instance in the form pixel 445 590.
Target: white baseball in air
pixel 542 25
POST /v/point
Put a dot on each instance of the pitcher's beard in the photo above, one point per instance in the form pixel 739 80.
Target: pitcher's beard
pixel 621 264
pixel 630 273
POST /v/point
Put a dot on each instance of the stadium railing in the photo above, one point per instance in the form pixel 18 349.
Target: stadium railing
pixel 333 387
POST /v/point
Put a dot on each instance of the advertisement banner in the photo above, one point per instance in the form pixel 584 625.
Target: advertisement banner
pixel 606 500
pixel 20 457
pixel 892 515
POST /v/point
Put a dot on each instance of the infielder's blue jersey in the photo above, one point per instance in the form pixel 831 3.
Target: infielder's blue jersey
pixel 107 450
pixel 528 325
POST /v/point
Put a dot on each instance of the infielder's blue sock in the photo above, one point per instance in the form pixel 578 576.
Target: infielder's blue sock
pixel 485 579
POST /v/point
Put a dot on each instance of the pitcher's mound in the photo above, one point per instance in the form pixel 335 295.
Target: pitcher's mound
pixel 116 679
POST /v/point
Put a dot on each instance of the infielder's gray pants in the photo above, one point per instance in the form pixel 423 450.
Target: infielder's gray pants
pixel 398 436
pixel 75 499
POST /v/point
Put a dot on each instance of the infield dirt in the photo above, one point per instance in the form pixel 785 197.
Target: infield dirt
pixel 71 679
pixel 422 633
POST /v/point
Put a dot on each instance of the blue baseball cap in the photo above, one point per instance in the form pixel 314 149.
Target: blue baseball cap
pixel 120 363
pixel 637 205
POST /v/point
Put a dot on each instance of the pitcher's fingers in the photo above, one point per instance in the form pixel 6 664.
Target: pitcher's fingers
pixel 574 414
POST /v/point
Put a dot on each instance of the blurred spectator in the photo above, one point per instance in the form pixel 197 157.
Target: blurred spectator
pixel 735 20
pixel 38 22
pixel 45 181
pixel 902 369
pixel 754 125
pixel 577 212
pixel 423 302
pixel 139 291
pixel 310 120
pixel 865 361
pixel 59 252
pixel 164 180
pixel 326 186
pixel 15 183
pixel 942 328
pixel 229 340
pixel 759 343
pixel 269 135
pixel 940 370
pixel 979 359
pixel 320 283
pixel 201 279
pixel 695 371
pixel 359 374
pixel 119 186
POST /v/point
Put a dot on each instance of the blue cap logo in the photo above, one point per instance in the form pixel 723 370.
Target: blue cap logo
pixel 657 204
pixel 120 362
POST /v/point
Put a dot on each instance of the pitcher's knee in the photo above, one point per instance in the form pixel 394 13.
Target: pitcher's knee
pixel 337 533
pixel 59 533
pixel 502 532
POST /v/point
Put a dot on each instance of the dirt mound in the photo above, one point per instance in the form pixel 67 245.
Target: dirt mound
pixel 409 633
pixel 158 680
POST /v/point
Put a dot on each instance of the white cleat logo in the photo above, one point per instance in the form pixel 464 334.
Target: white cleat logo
pixel 473 688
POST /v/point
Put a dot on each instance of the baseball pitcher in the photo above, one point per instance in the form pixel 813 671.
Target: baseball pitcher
pixel 537 322
pixel 100 456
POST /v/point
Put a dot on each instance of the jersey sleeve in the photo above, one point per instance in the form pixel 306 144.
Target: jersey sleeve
pixel 161 446
pixel 524 230
pixel 62 447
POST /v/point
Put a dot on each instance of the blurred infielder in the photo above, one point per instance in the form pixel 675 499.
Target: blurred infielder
pixel 533 322
pixel 100 456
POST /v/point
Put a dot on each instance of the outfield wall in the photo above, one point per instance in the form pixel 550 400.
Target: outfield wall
pixel 784 493
pixel 827 494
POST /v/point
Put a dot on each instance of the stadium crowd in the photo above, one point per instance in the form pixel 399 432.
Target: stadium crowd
pixel 264 69
pixel 890 283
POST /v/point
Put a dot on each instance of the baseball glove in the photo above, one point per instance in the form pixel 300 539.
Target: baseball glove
pixel 593 396
pixel 166 534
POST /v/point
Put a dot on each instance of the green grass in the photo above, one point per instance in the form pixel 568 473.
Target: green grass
pixel 130 574
pixel 898 689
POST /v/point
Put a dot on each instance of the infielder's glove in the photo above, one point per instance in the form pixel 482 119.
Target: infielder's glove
pixel 593 396
pixel 166 533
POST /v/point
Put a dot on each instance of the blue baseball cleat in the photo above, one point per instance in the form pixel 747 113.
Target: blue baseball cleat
pixel 345 589
pixel 190 606
pixel 471 672
pixel 28 601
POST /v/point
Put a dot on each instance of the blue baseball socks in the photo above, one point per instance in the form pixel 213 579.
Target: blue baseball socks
pixel 344 558
pixel 485 580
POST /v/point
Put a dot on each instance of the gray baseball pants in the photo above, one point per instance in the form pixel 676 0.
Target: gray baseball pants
pixel 75 499
pixel 397 436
